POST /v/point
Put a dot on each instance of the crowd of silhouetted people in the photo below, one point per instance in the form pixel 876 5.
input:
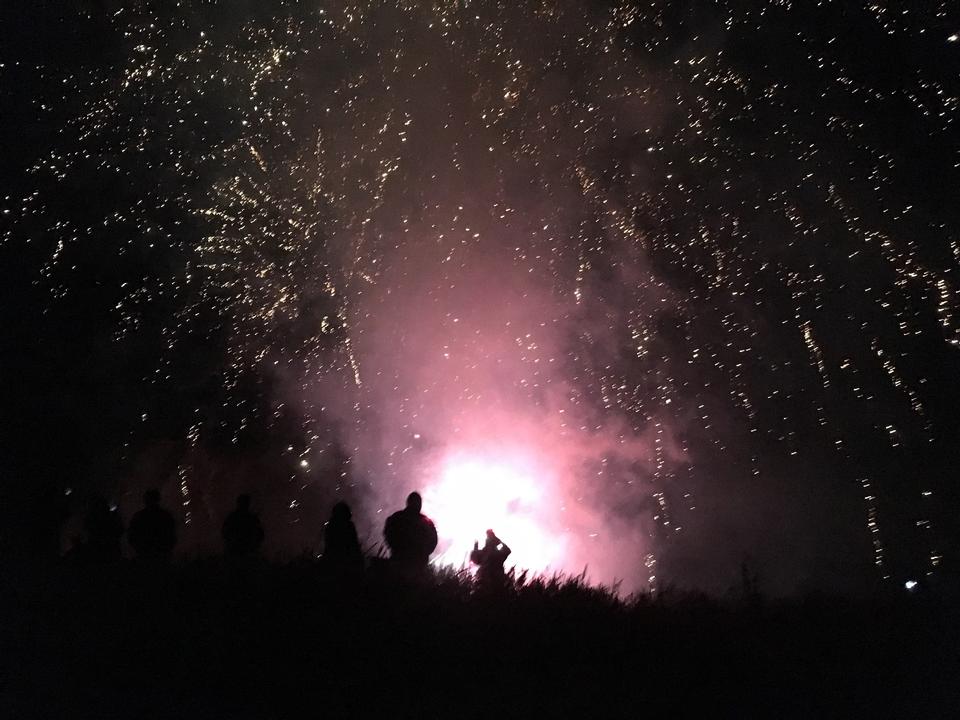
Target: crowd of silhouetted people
pixel 410 537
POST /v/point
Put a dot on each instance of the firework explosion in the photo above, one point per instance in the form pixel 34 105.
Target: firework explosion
pixel 628 281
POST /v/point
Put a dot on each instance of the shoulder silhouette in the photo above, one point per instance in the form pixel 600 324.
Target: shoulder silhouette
pixel 152 532
pixel 242 532
pixel 411 536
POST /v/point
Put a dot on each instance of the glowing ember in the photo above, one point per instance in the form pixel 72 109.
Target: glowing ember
pixel 473 491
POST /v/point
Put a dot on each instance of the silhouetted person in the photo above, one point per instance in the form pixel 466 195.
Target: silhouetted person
pixel 103 529
pixel 152 532
pixel 341 548
pixel 242 531
pixel 489 560
pixel 411 537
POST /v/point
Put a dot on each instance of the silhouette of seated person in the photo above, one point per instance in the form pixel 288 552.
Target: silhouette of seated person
pixel 341 548
pixel 103 530
pixel 152 532
pixel 411 537
pixel 489 560
pixel 242 532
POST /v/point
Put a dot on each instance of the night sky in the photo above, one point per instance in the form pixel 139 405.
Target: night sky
pixel 652 288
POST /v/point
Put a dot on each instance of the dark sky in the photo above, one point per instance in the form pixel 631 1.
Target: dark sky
pixel 695 264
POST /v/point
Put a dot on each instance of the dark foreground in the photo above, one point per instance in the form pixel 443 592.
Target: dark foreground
pixel 209 640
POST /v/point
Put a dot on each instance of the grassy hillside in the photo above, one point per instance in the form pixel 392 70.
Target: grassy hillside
pixel 214 640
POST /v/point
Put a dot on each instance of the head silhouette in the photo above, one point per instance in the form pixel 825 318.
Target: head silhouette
pixel 151 498
pixel 341 512
pixel 414 502
pixel 243 502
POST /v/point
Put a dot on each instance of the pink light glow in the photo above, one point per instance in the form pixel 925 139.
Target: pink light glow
pixel 510 492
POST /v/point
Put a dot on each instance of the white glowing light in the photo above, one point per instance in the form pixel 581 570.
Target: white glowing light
pixel 475 491
pixel 910 584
